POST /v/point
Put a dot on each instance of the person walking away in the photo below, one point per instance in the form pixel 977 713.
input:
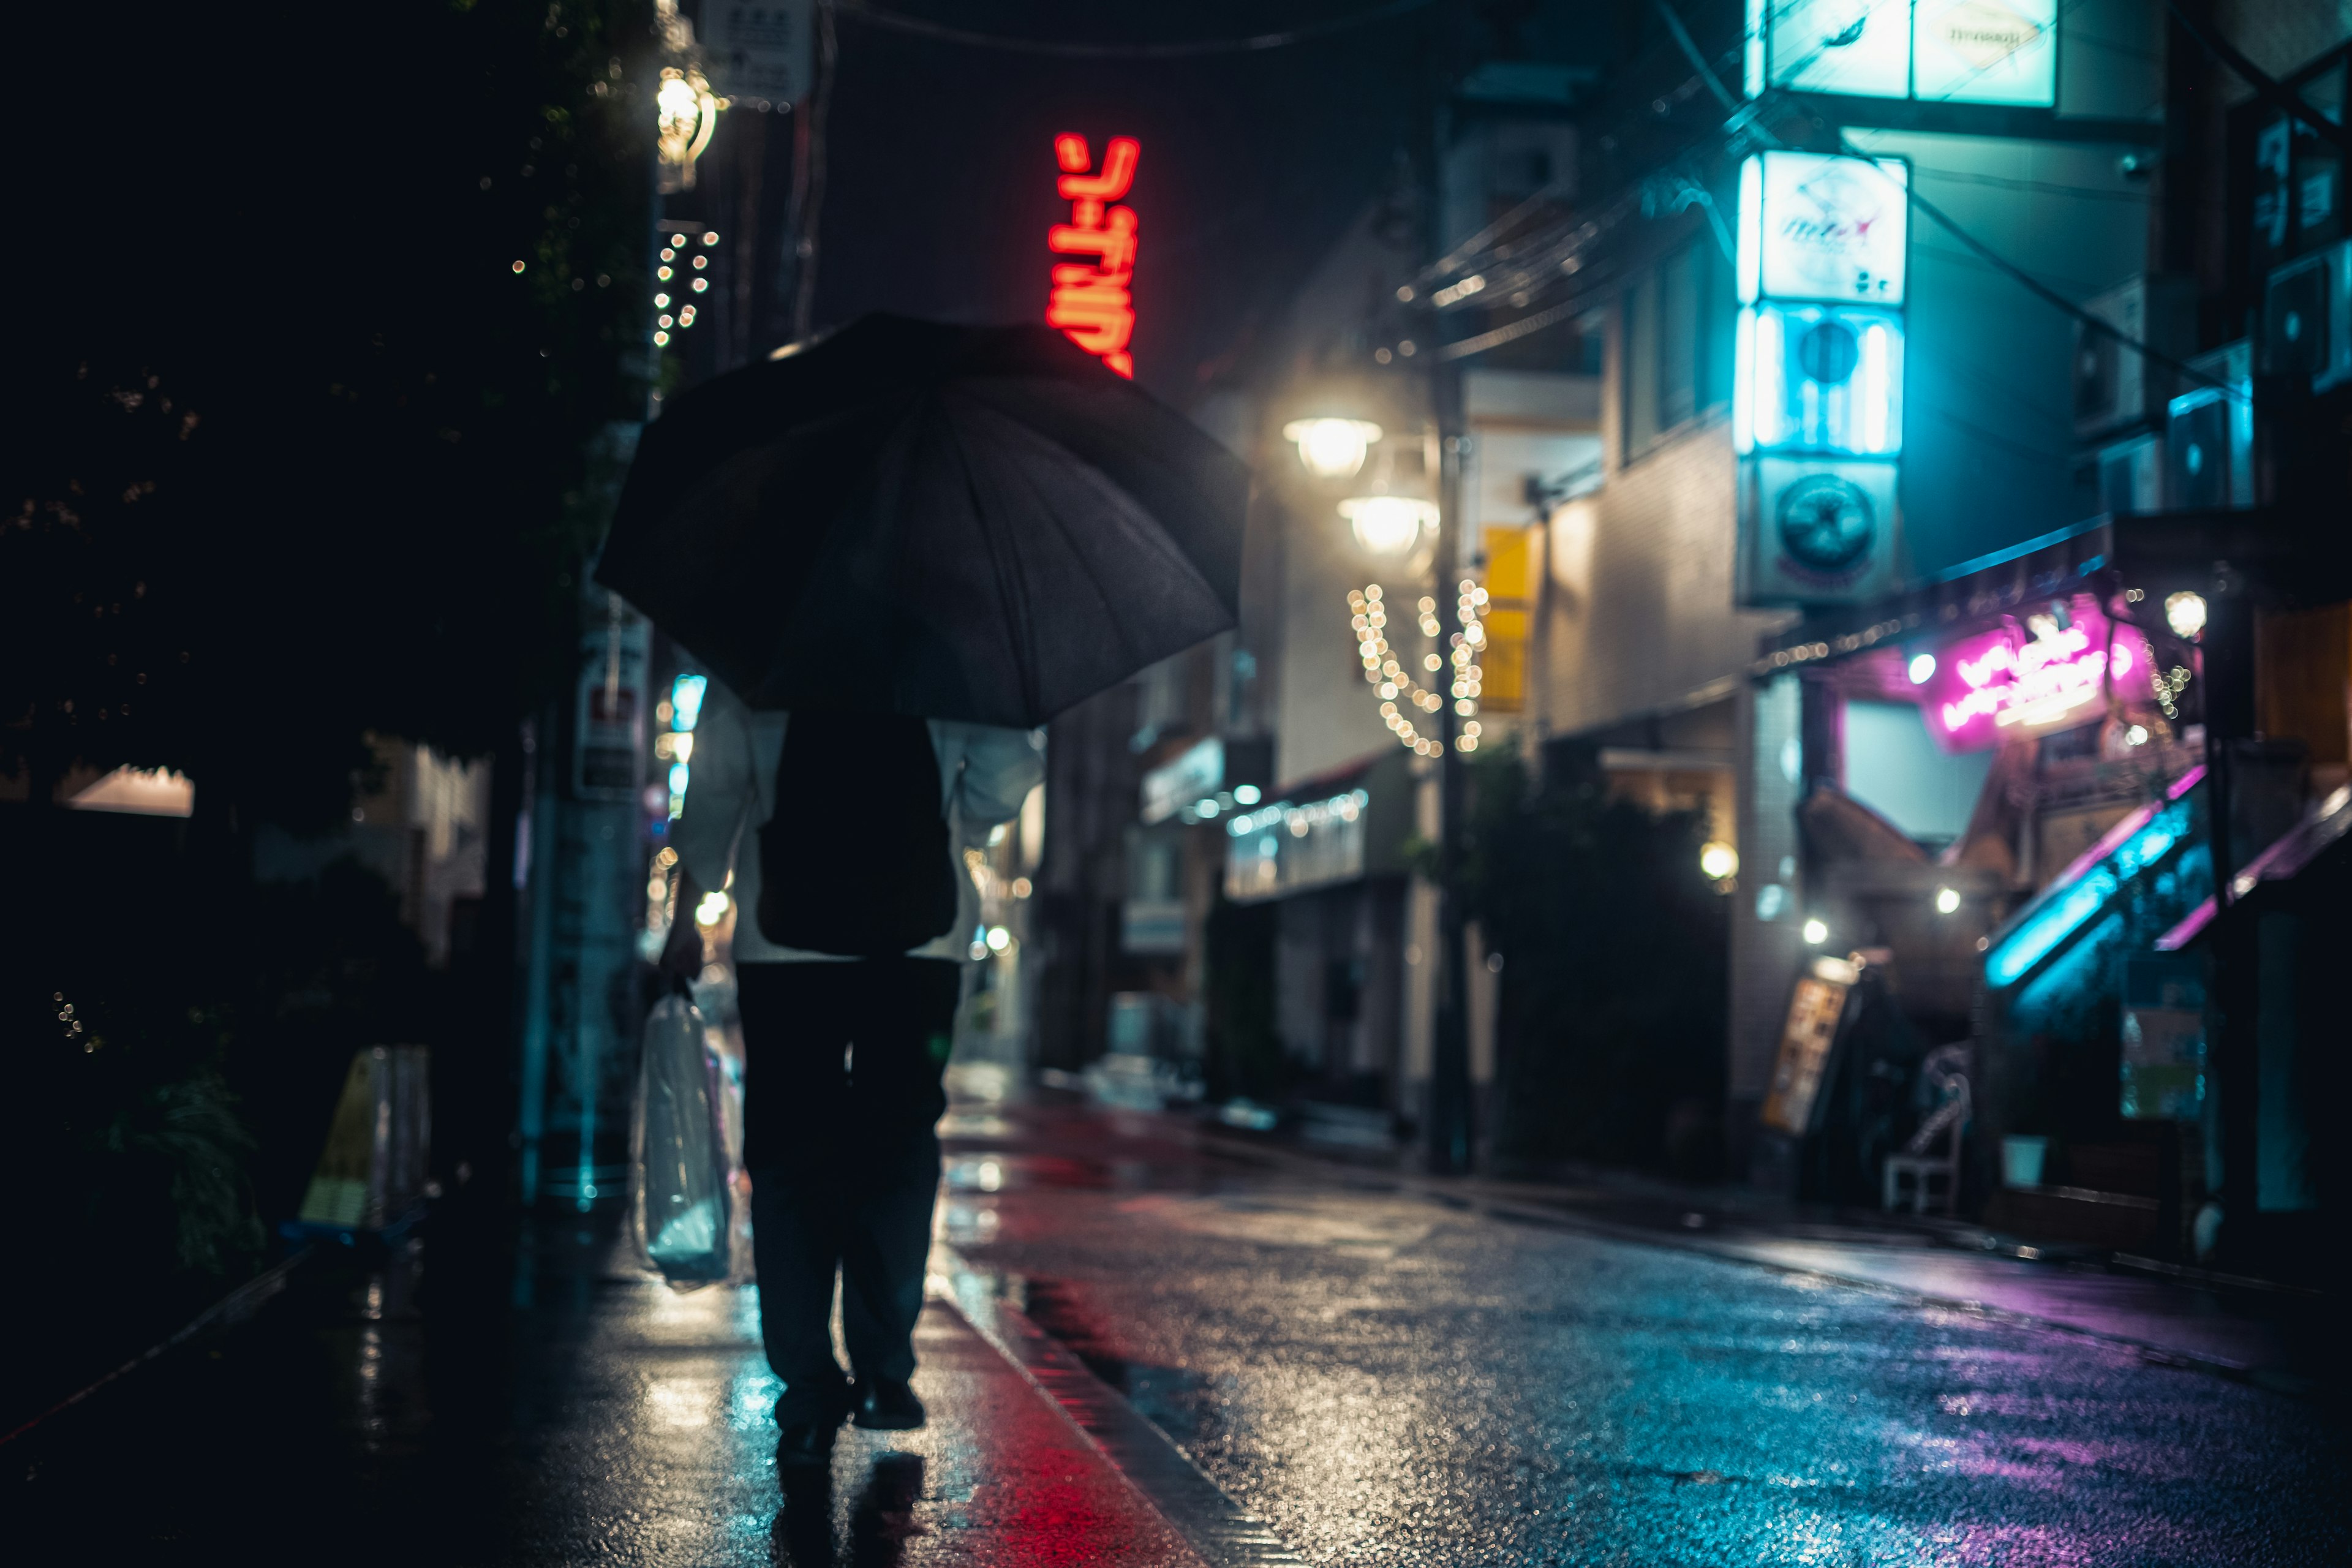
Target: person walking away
pixel 844 835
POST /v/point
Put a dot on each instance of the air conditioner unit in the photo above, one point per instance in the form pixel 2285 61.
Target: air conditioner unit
pixel 2307 319
pixel 2209 437
pixel 2131 475
pixel 2113 386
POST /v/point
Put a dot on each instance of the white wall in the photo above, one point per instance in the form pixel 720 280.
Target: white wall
pixel 1896 768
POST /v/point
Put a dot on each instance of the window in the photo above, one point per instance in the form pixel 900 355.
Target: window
pixel 1676 350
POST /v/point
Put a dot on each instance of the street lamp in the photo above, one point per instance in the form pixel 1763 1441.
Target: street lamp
pixel 1332 448
pixel 688 117
pixel 2185 613
pixel 1388 525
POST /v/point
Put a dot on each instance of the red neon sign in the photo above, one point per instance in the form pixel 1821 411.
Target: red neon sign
pixel 1091 303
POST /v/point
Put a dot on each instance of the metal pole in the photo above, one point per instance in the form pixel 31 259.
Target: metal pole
pixel 2232 1054
pixel 1449 1087
pixel 1449 1080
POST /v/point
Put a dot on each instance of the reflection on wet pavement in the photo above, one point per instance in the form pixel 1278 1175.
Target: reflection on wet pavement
pixel 606 1419
pixel 1387 1378
pixel 1372 1370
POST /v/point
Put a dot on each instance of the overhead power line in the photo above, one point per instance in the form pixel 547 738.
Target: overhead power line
pixel 917 26
pixel 1745 116
pixel 2279 95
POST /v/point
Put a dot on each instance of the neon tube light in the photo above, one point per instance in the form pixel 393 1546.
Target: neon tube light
pixel 1092 303
pixel 2131 847
pixel 2015 681
pixel 1874 387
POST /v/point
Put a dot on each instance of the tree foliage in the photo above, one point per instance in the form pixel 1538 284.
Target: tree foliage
pixel 1614 948
pixel 297 451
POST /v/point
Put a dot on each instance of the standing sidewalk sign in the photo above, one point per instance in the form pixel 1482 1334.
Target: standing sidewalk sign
pixel 1816 1012
pixel 1817 389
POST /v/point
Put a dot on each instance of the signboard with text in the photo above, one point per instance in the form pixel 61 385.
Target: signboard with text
pixel 1940 51
pixel 759 49
pixel 1093 302
pixel 1814 225
pixel 1816 1012
pixel 1817 394
pixel 2051 669
pixel 609 722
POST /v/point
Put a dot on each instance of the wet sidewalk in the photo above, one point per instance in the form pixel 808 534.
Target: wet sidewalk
pixel 1371 1363
pixel 2283 1336
pixel 387 1415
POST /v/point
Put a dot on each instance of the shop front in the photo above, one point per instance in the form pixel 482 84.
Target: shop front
pixel 2003 807
pixel 1329 857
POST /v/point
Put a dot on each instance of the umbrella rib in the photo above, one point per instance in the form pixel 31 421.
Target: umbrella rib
pixel 1102 593
pixel 1015 603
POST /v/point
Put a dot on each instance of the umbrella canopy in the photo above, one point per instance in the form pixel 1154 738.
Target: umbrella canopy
pixel 963 522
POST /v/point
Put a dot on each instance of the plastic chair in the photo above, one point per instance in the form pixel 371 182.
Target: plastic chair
pixel 1947 1068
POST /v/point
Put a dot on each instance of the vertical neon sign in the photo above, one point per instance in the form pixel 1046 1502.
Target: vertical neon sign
pixel 1093 303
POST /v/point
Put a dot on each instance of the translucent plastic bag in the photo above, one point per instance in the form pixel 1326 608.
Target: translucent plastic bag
pixel 682 1209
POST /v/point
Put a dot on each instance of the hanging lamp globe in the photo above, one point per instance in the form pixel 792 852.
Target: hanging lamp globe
pixel 1388 525
pixel 1332 448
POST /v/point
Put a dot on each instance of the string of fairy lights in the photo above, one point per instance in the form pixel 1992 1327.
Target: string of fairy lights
pixel 680 276
pixel 1399 688
pixel 676 255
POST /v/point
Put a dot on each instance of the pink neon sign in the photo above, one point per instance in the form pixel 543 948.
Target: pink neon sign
pixel 2031 679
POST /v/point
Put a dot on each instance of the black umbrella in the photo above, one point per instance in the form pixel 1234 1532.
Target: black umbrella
pixel 963 522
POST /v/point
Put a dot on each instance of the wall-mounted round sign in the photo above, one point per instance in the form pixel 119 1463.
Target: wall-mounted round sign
pixel 1826 523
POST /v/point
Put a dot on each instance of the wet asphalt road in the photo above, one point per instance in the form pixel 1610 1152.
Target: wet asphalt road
pixel 1383 1378
pixel 1379 1375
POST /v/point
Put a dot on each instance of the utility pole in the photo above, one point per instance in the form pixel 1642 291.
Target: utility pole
pixel 1450 1128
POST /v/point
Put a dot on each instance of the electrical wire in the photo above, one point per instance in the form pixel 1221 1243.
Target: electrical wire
pixel 1511 331
pixel 916 26
pixel 1746 116
pixel 2226 53
pixel 2037 187
pixel 1467 258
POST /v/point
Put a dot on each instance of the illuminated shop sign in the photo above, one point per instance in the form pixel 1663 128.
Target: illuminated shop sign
pixel 1985 51
pixel 1816 530
pixel 1199 771
pixel 2054 672
pixel 1286 849
pixel 1819 378
pixel 1817 394
pixel 1814 225
pixel 2080 892
pixel 1947 51
pixel 1093 302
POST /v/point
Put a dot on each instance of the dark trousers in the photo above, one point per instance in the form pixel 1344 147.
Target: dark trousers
pixel 841 1098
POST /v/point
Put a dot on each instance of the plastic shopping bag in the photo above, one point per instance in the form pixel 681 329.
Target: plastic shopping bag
pixel 683 1204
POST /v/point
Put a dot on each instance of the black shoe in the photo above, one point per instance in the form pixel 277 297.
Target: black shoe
pixel 887 1405
pixel 806 1446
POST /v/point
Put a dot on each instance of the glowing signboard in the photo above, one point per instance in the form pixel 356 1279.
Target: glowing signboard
pixel 1092 302
pixel 1817 394
pixel 1814 225
pixel 1985 51
pixel 1946 51
pixel 1819 378
pixel 1816 530
pixel 1857 47
pixel 2053 672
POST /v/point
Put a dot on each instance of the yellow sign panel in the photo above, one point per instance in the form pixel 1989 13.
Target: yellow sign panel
pixel 1510 604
